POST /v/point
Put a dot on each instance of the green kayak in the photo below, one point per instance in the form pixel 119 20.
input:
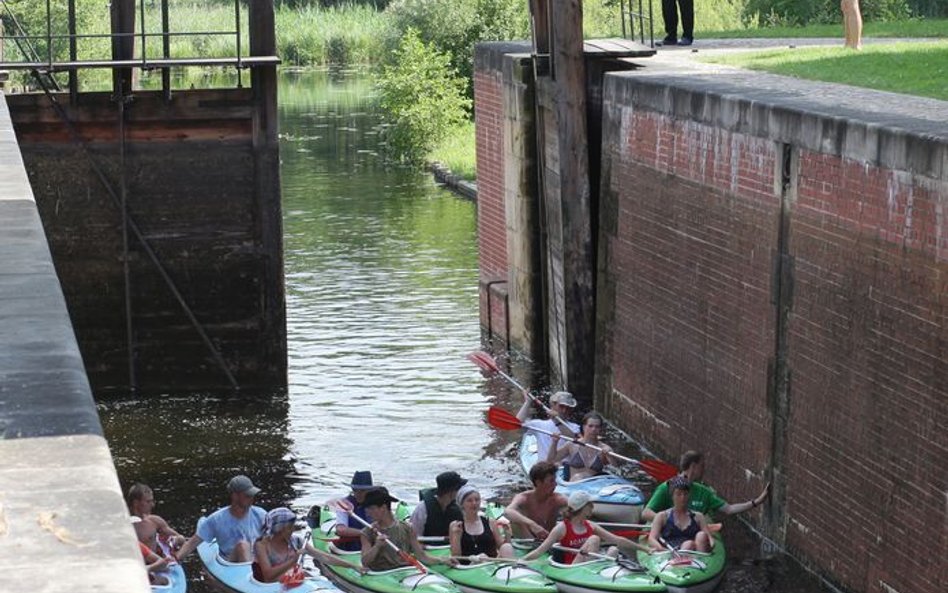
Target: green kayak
pixel 399 580
pixel 690 572
pixel 597 576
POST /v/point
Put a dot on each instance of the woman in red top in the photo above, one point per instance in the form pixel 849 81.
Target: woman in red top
pixel 577 532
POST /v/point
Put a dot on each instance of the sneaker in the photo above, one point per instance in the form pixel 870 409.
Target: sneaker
pixel 686 41
pixel 669 40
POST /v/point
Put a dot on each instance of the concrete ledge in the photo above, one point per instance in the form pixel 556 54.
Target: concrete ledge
pixel 490 56
pixel 457 184
pixel 63 524
pixel 886 129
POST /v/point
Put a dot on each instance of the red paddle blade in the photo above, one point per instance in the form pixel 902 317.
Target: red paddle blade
pixel 413 561
pixel 658 469
pixel 502 419
pixel 484 361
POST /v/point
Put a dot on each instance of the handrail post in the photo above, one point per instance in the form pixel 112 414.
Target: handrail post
pixel 240 82
pixel 144 53
pixel 49 37
pixel 73 56
pixel 165 50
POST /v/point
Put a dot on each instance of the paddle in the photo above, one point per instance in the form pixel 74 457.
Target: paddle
pixel 489 366
pixel 659 470
pixel 621 561
pixel 341 506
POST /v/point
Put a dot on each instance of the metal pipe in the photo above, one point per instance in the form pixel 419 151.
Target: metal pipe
pixel 240 82
pixel 165 50
pixel 143 36
pixel 73 55
pixel 49 34
pixel 123 191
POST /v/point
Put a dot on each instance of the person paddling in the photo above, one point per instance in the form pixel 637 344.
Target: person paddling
pixel 577 532
pixel 476 536
pixel 348 529
pixel 679 527
pixel 234 527
pixel 438 508
pixel 278 550
pixel 561 406
pixel 583 462
pixel 534 512
pixel 377 555
pixel 703 498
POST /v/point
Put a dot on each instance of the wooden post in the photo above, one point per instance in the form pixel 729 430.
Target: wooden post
pixel 266 158
pixel 123 48
pixel 571 260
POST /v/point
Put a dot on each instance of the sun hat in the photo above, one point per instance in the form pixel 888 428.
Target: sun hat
pixel 378 497
pixel 679 482
pixel 449 481
pixel 277 519
pixel 242 485
pixel 463 492
pixel 564 398
pixel 578 500
pixel 362 480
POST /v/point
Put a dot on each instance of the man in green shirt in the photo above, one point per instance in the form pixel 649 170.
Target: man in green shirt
pixel 703 497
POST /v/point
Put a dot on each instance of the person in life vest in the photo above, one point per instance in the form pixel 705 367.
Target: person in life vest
pixel 583 462
pixel 679 527
pixel 476 536
pixel 378 555
pixel 577 532
pixel 438 508
pixel 347 528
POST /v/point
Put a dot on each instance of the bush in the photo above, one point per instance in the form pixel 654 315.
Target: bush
pixel 422 96
pixel 804 12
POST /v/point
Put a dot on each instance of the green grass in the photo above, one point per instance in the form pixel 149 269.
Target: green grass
pixel 910 68
pixel 907 28
pixel 456 151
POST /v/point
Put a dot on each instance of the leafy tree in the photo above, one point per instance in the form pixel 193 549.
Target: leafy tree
pixel 423 96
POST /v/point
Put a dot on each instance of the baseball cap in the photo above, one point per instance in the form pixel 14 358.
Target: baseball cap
pixel 242 485
pixel 578 500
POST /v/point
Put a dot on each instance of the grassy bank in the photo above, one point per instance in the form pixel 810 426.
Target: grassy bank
pixel 910 68
pixel 456 151
pixel 904 28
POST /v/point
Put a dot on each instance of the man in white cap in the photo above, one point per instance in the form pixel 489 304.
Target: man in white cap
pixel 561 406
pixel 235 527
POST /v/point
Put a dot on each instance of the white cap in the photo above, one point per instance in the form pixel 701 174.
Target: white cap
pixel 564 398
pixel 578 499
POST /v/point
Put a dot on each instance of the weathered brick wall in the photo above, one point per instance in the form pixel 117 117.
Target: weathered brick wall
pixel 707 184
pixel 491 221
pixel 867 349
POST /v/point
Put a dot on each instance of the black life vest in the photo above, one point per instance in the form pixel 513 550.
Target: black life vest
pixel 438 519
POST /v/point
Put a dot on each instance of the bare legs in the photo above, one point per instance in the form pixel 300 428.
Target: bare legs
pixel 242 552
pixel 700 543
pixel 852 23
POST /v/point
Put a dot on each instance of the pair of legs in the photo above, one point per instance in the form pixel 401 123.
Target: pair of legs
pixel 700 543
pixel 670 16
pixel 592 546
pixel 852 23
pixel 242 552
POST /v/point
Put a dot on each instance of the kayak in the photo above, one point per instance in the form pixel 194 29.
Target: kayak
pixel 690 572
pixel 615 499
pixel 492 576
pixel 177 581
pixel 400 580
pixel 238 576
pixel 596 576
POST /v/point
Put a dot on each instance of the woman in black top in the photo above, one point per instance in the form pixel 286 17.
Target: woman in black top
pixel 475 536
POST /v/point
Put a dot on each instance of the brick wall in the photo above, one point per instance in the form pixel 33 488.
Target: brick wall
pixel 491 221
pixel 699 177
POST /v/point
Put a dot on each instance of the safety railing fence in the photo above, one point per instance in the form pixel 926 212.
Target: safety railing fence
pixel 638 21
pixel 59 45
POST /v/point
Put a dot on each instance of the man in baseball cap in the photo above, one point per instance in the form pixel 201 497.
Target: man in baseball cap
pixel 562 404
pixel 235 527
pixel 433 517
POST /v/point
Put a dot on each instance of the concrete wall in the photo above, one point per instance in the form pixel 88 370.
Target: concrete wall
pixel 59 495
pixel 205 197
pixel 774 291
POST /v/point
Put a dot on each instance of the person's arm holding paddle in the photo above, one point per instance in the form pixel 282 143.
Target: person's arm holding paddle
pixel 556 535
pixel 425 557
pixel 654 536
pixel 625 544
pixel 271 572
pixel 557 453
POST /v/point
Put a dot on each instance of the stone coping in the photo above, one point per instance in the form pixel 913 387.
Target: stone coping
pixel 878 127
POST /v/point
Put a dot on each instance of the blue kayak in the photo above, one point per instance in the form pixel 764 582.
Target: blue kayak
pixel 238 576
pixel 616 499
pixel 177 581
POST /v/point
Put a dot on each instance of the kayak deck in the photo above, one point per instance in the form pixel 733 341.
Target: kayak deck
pixel 696 573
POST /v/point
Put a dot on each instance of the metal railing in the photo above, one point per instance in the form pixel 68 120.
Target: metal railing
pixel 633 15
pixel 33 60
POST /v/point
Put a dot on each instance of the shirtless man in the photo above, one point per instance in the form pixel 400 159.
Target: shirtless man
pixel 535 512
pixel 149 527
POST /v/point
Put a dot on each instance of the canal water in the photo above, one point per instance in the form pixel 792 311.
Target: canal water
pixel 381 281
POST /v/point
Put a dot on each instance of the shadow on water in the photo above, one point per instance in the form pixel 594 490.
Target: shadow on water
pixel 381 284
